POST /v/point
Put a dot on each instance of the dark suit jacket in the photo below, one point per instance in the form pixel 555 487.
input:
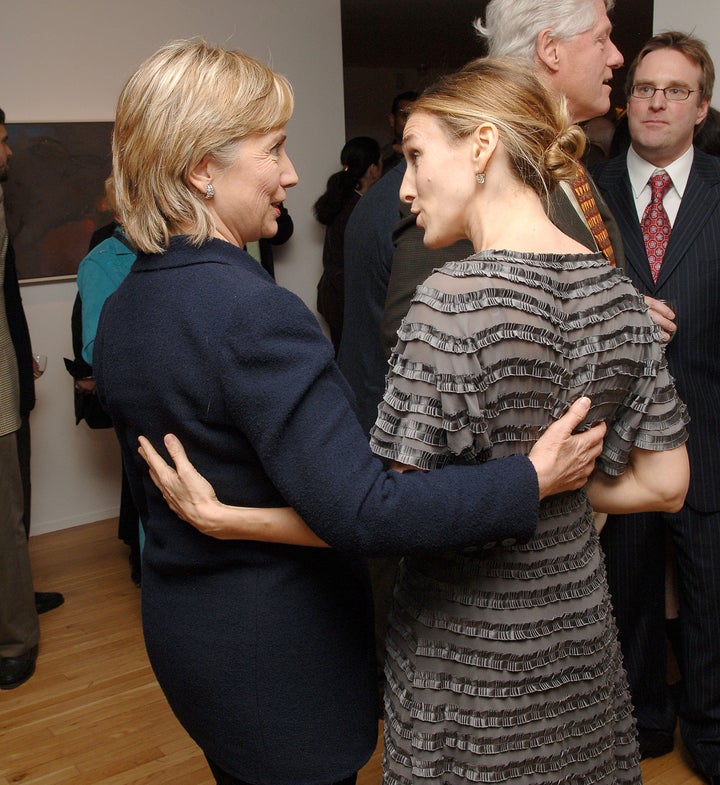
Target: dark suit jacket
pixel 266 652
pixel 690 275
pixel 19 333
pixel 413 262
pixel 565 216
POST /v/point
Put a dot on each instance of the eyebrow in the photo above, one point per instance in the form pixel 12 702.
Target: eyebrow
pixel 671 83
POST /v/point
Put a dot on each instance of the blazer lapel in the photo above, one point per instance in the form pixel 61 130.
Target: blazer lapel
pixel 563 214
pixel 611 225
pixel 698 203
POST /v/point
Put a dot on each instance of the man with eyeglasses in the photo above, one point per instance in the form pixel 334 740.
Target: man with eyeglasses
pixel 665 196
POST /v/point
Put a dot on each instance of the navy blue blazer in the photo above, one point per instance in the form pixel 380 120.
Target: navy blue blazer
pixel 690 275
pixel 265 652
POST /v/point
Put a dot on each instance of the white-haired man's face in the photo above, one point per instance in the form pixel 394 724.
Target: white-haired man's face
pixel 580 68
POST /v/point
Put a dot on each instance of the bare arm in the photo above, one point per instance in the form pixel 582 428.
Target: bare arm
pixel 654 481
pixel 191 497
pixel 562 461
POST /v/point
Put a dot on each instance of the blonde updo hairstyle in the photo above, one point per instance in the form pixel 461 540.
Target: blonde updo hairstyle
pixel 188 100
pixel 542 145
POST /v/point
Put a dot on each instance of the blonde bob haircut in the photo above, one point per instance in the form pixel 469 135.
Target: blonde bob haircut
pixel 187 101
pixel 542 145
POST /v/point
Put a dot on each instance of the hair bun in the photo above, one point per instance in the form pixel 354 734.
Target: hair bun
pixel 563 153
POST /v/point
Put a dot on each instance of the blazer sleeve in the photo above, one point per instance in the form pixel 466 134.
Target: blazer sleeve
pixel 292 402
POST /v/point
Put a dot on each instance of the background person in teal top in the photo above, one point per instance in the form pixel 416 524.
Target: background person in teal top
pixel 99 275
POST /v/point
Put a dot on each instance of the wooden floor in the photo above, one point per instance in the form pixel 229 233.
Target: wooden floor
pixel 93 714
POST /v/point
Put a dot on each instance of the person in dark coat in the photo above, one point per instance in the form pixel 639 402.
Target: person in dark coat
pixel 264 651
pixel 19 604
pixel 360 159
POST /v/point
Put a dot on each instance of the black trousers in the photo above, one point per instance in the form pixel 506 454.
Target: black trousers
pixel 634 547
pixel 223 778
pixel 23 446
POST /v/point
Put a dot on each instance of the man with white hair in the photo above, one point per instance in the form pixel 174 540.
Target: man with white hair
pixel 568 44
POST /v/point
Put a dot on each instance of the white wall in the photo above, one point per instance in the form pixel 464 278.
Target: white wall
pixel 699 17
pixel 67 61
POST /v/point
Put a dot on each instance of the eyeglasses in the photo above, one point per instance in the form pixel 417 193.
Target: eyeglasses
pixel 646 91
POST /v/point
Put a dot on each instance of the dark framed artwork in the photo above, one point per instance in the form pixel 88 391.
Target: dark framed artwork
pixel 55 196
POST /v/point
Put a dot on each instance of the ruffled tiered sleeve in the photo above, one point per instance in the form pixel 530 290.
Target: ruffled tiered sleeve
pixel 496 347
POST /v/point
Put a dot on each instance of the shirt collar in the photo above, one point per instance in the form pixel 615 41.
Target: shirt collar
pixel 640 171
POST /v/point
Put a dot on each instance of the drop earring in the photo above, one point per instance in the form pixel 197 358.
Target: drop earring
pixel 480 177
pixel 209 191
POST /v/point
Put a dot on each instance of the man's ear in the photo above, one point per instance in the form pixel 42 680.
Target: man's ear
pixel 547 50
pixel 702 110
pixel 200 174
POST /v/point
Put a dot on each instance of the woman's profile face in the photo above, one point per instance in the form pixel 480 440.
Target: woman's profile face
pixel 249 191
pixel 439 182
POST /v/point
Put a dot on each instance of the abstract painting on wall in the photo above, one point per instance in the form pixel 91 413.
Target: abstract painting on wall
pixel 54 195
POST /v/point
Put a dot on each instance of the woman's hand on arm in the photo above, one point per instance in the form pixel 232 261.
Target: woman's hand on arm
pixel 654 481
pixel 191 497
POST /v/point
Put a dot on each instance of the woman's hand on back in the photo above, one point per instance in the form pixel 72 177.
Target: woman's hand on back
pixel 188 494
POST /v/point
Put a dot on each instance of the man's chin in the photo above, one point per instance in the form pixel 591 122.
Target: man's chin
pixel 591 112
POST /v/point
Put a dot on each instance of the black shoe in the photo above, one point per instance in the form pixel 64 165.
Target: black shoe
pixel 15 671
pixel 48 600
pixel 654 744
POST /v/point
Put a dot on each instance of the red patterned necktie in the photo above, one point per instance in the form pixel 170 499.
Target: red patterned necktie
pixel 655 223
pixel 588 205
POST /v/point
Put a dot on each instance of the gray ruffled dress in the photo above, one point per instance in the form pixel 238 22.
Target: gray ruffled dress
pixel 503 664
